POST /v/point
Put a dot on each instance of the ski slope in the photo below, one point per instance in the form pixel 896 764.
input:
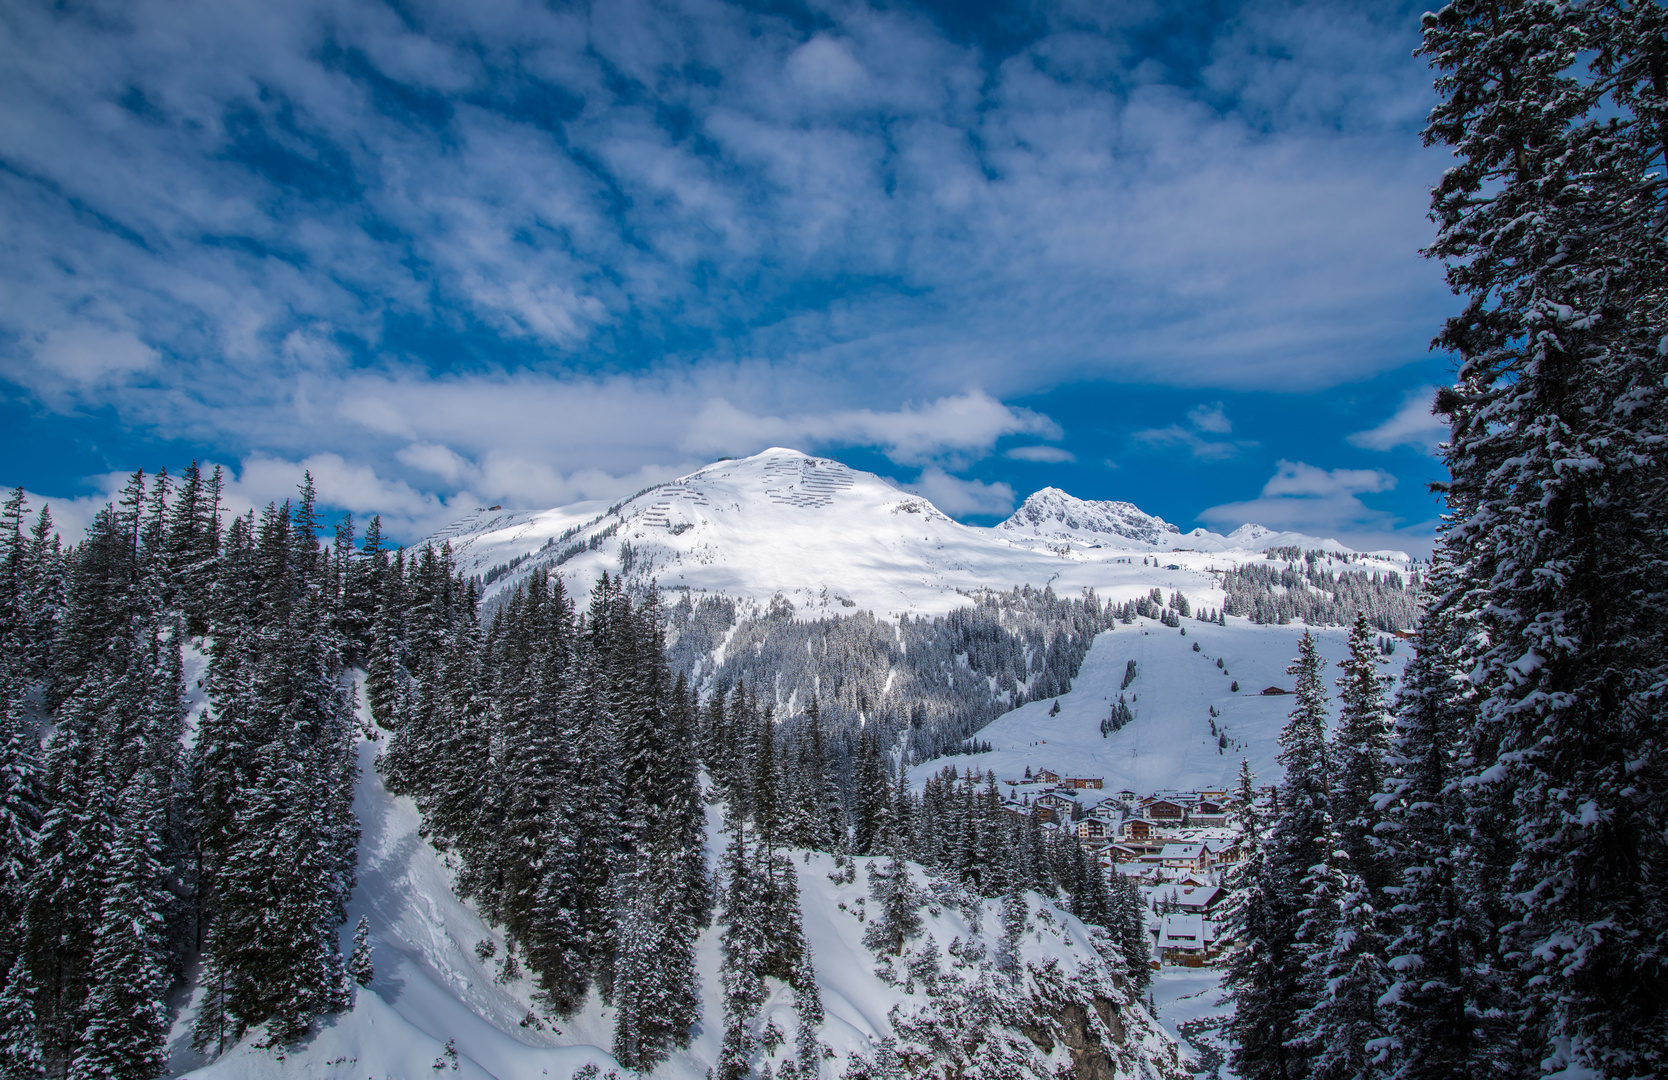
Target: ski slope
pixel 829 539
pixel 1169 743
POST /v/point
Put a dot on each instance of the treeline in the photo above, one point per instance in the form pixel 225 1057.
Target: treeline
pixel 927 684
pixel 132 846
pixel 1307 589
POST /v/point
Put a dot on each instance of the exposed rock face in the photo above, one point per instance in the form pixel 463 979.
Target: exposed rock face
pixel 1091 1059
pixel 1098 1040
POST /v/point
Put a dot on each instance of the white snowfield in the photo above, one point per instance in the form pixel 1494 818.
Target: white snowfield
pixel 431 987
pixel 1169 744
pixel 830 539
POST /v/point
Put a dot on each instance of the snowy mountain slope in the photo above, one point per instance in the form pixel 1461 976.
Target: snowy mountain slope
pixel 828 538
pixel 1052 516
pixel 1169 743
pixel 432 987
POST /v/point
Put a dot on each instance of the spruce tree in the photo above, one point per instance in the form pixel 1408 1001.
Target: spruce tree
pixel 1358 751
pixel 125 1020
pixel 359 966
pixel 20 1052
pixel 897 905
pixel 743 949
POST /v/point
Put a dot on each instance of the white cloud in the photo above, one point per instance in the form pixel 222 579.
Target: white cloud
pixel 247 189
pixel 1323 502
pixel 1411 425
pixel 1212 418
pixel 1050 454
pixel 1296 479
pixel 90 355
pixel 1202 422
pixel 960 425
pixel 960 498
pixel 436 460
pixel 826 66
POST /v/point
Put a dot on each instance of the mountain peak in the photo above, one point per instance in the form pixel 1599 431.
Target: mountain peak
pixel 1056 514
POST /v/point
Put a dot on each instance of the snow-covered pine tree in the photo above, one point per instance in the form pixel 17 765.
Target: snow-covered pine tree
pixel 1551 228
pixel 831 824
pixel 533 861
pixel 872 795
pixel 384 670
pixel 21 794
pixel 743 950
pixel 1342 936
pixel 656 998
pixel 1358 752
pixel 124 1023
pixel 193 545
pixel 360 967
pixel 1433 948
pixel 598 783
pixel 287 866
pixel 20 1052
pixel 1129 930
pixel 897 905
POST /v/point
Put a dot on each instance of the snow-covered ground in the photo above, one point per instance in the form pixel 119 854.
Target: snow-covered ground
pixel 1169 744
pixel 1190 1006
pixel 829 538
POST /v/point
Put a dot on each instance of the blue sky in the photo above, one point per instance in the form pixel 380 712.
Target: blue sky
pixel 447 255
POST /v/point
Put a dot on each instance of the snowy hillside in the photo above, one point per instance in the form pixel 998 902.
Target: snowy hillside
pixel 829 539
pixel 437 985
pixel 1169 743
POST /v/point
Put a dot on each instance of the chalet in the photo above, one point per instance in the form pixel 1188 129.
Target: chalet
pixel 1194 857
pixel 1208 813
pixel 1060 802
pixel 1046 776
pixel 1218 795
pixel 1080 783
pixel 1185 939
pixel 1166 812
pixel 1274 691
pixel 1126 795
pixel 1094 828
pixel 1200 900
pixel 1112 854
pixel 1136 829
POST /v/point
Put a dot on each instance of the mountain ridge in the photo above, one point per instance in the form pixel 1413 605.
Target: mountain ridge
pixel 823 535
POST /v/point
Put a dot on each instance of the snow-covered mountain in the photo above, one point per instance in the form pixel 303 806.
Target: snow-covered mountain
pixel 826 537
pixel 1051 515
